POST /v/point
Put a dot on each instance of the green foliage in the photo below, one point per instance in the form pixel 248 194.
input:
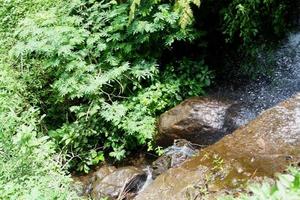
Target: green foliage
pixel 244 18
pixel 185 10
pixel 286 187
pixel 254 27
pixel 11 11
pixel 103 73
pixel 81 80
pixel 182 7
pixel 27 166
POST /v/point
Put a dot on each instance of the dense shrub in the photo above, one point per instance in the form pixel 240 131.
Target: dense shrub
pixel 27 166
pixel 11 12
pixel 99 72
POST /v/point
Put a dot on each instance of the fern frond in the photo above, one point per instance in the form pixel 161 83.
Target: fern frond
pixel 181 6
pixel 134 5
pixel 184 8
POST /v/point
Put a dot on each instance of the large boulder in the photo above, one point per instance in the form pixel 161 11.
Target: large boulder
pixel 199 119
pixel 263 147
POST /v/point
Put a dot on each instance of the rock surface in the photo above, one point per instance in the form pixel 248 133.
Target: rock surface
pixel 122 180
pixel 261 148
pixel 197 119
pixel 111 182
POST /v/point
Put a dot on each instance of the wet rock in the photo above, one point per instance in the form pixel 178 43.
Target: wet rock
pixel 79 187
pixel 103 172
pixel 83 184
pixel 198 119
pixel 263 147
pixel 120 182
pixel 173 156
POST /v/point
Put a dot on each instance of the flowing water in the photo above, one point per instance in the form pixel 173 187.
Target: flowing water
pixel 149 179
pixel 266 92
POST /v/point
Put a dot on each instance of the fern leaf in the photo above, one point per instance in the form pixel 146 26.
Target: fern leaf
pixel 134 5
pixel 184 8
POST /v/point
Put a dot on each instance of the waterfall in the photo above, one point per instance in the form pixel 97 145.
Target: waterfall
pixel 266 92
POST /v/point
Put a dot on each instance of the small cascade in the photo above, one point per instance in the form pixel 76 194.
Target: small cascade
pixel 185 150
pixel 173 156
pixel 149 179
pixel 179 152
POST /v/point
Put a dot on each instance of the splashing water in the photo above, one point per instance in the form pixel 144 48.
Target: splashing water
pixel 181 146
pixel 264 93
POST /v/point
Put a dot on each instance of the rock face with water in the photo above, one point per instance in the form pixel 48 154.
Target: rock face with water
pixel 173 156
pixel 198 119
pixel 264 146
